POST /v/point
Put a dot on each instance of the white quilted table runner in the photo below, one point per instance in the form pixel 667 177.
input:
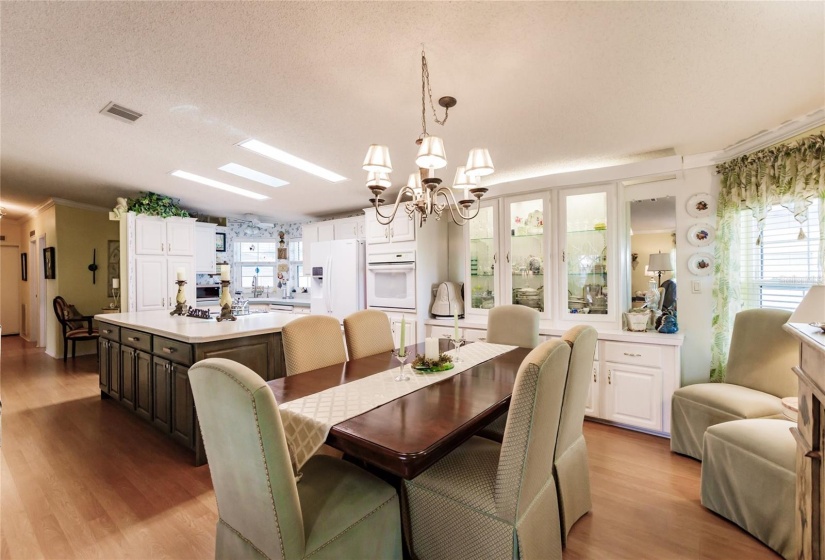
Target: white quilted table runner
pixel 307 420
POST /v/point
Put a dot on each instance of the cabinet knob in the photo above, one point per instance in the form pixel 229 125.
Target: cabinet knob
pixel 107 331
pixel 594 375
pixel 508 257
pixel 610 377
pixel 132 338
pixel 167 350
pixel 161 247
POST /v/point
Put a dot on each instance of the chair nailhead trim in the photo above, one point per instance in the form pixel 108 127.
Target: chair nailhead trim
pixel 339 535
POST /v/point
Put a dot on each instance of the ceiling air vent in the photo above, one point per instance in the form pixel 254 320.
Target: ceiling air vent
pixel 120 113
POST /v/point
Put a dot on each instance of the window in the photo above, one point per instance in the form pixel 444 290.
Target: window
pixel 778 271
pixel 296 265
pixel 257 259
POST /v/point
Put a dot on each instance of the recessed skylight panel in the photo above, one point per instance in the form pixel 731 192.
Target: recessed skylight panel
pixel 281 156
pixel 253 175
pixel 217 184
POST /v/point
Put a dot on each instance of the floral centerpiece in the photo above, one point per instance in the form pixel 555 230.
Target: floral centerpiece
pixel 442 363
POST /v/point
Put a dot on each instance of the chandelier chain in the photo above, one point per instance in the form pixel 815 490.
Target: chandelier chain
pixel 426 91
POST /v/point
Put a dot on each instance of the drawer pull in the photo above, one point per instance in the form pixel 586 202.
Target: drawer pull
pixel 167 350
pixel 632 355
pixel 610 377
pixel 132 338
pixel 107 331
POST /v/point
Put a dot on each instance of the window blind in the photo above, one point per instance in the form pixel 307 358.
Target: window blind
pixel 779 271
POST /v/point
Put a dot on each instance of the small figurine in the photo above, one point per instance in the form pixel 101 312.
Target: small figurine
pixel 669 325
pixel 121 208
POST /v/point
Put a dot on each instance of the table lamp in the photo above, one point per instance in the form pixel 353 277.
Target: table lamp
pixel 660 262
pixel 812 307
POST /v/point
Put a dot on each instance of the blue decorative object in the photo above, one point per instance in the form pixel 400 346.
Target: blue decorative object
pixel 669 325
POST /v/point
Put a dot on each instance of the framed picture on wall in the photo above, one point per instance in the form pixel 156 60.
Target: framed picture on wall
pixel 220 242
pixel 49 263
pixel 24 266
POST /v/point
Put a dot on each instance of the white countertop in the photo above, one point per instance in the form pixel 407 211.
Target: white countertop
pixel 193 330
pixel 295 302
pixel 650 337
pixel 807 333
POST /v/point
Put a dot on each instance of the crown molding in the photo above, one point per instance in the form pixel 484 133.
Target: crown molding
pixel 705 159
pixel 37 210
pixel 765 138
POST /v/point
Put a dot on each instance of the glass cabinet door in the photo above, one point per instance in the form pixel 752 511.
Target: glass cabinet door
pixel 524 273
pixel 481 293
pixel 585 263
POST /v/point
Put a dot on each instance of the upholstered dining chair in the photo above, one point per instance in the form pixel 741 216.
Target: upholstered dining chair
pixel 758 376
pixel 490 500
pixel 571 468
pixel 76 327
pixel 335 510
pixel 516 325
pixel 312 342
pixel 367 333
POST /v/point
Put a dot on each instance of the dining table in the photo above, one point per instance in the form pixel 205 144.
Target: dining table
pixel 407 435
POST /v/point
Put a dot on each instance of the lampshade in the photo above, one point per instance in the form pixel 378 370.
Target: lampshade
pixel 414 182
pixel 660 262
pixel 479 163
pixel 812 307
pixel 378 180
pixel 462 180
pixel 378 159
pixel 431 154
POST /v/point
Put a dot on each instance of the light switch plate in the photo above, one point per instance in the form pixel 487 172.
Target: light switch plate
pixel 695 287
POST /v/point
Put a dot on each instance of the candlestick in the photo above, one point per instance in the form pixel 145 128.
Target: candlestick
pixel 455 323
pixel 226 299
pixel 180 308
pixel 181 273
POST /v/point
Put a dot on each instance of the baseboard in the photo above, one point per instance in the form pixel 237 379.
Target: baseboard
pixel 664 435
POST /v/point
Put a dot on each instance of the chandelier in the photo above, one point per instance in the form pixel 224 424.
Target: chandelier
pixel 424 195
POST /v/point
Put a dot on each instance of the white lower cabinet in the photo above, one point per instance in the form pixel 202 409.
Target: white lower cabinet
pixel 410 337
pixel 633 396
pixel 591 406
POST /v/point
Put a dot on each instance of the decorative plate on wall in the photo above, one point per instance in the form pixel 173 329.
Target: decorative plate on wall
pixel 701 205
pixel 700 264
pixel 701 235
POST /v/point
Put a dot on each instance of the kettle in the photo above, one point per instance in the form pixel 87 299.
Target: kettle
pixel 447 300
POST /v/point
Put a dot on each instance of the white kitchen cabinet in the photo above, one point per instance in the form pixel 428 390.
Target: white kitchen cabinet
pixel 591 406
pixel 440 332
pixel 326 231
pixel 633 396
pixel 205 248
pixel 471 335
pixel 309 235
pixel 399 230
pixel 150 282
pixel 150 235
pixel 345 229
pixel 330 230
pixel 481 236
pixel 180 237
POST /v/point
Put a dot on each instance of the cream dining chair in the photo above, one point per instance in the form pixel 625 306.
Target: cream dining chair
pixel 571 468
pixel 368 332
pixel 490 500
pixel 312 342
pixel 336 510
pixel 516 325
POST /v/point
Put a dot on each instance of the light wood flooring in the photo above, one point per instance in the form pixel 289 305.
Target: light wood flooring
pixel 83 478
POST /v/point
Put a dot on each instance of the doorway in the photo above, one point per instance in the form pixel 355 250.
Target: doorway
pixel 10 294
pixel 41 292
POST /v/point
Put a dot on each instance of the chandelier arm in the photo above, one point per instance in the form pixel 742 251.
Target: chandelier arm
pixel 451 201
pixel 378 215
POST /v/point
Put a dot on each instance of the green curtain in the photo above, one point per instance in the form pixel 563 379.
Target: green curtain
pixel 791 175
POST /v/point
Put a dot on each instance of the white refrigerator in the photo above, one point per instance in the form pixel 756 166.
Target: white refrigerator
pixel 338 286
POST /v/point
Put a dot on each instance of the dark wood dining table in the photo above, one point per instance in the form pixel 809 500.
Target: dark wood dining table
pixel 409 434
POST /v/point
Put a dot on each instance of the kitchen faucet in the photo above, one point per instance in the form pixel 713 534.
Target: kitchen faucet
pixel 256 290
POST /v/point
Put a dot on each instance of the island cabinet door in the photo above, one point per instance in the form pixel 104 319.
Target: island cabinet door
pixel 127 377
pixel 143 385
pixel 162 394
pixel 183 406
pixel 113 357
pixel 103 364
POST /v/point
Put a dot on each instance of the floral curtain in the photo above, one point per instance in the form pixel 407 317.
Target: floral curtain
pixel 791 175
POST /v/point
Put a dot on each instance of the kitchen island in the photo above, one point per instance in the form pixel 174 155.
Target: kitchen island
pixel 145 358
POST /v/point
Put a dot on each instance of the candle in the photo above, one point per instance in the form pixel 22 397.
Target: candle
pixel 431 348
pixel 466 193
pixel 455 323
pixel 225 272
pixel 181 274
pixel 401 344
pixel 115 283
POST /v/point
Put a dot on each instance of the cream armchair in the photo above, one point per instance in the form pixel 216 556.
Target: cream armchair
pixel 335 511
pixel 758 376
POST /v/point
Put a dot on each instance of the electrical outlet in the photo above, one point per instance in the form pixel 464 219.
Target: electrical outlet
pixel 695 287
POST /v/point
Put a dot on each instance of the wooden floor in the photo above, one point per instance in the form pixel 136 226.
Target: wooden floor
pixel 83 478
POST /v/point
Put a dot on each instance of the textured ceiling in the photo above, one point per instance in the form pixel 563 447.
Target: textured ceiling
pixel 545 86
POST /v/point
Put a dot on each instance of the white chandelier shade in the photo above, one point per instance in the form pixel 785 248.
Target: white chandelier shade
pixel 378 159
pixel 414 182
pixel 479 163
pixel 462 180
pixel 378 180
pixel 431 154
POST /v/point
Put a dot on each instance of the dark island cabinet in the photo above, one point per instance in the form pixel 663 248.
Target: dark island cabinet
pixel 149 374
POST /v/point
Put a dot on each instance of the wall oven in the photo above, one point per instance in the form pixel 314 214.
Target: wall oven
pixel 391 280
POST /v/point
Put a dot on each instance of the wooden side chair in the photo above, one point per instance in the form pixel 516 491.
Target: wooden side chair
pixel 76 327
